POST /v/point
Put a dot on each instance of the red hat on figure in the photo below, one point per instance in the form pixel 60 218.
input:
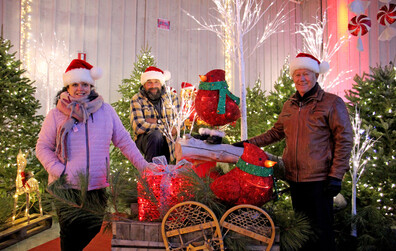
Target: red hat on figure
pixel 307 61
pixel 185 85
pixel 155 73
pixel 81 71
pixel 188 86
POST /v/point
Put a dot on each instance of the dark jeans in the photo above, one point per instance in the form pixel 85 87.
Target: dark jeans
pixel 152 145
pixel 78 226
pixel 311 199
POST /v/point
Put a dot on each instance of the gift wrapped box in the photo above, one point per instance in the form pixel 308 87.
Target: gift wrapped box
pixel 162 186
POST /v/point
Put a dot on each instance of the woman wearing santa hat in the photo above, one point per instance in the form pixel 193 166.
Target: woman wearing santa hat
pixel 319 139
pixel 73 147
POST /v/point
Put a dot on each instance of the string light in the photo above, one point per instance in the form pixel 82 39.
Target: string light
pixel 26 27
pixel 228 45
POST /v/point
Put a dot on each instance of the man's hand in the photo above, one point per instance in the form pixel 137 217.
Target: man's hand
pixel 333 186
pixel 240 143
pixel 151 121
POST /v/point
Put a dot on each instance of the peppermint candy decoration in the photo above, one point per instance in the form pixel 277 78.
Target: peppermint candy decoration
pixel 387 15
pixel 359 25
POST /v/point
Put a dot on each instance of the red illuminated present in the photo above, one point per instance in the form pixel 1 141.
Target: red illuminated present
pixel 161 187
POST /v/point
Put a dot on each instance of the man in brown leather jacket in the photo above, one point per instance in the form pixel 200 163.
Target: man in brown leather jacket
pixel 319 139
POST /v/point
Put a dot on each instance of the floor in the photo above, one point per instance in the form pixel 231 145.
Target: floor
pixel 36 240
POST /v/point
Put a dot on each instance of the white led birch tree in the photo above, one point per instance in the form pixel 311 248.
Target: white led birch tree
pixel 50 62
pixel 233 20
pixel 361 144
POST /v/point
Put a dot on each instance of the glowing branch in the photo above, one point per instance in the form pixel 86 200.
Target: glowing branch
pixel 316 45
pixel 361 144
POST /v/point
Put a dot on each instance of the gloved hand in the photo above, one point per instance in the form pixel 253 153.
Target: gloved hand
pixel 333 186
pixel 214 140
pixel 200 137
pixel 240 143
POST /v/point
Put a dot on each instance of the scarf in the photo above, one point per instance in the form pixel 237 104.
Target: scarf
pixel 78 110
pixel 308 94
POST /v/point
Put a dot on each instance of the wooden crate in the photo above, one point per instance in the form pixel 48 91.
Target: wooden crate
pixel 21 230
pixel 136 236
pixel 146 236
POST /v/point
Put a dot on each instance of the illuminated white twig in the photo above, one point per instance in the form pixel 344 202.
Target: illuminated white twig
pixel 178 116
pixel 233 20
pixel 316 45
pixel 361 144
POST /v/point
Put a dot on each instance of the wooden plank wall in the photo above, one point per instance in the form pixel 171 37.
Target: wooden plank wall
pixel 112 34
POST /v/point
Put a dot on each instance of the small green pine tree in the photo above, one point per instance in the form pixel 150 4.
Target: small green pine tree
pixel 375 96
pixel 18 120
pixel 127 89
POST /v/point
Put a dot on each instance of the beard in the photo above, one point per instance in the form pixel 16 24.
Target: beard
pixel 153 93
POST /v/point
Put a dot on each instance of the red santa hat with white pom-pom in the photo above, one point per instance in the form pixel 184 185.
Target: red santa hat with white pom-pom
pixel 307 61
pixel 155 73
pixel 188 86
pixel 81 71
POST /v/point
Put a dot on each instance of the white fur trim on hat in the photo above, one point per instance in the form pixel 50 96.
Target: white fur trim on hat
pixel 155 75
pixel 308 63
pixel 78 75
pixel 304 63
pixel 81 71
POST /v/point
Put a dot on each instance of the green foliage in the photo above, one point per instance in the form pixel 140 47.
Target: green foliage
pixel 373 229
pixel 295 229
pixel 263 110
pixel 235 241
pixel 201 191
pixel 18 120
pixel 127 89
pixel 78 204
pixel 5 210
pixel 375 96
pixel 123 190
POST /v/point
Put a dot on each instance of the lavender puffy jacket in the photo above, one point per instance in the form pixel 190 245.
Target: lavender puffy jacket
pixel 88 147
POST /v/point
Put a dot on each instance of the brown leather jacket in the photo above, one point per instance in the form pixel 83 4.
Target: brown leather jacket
pixel 318 134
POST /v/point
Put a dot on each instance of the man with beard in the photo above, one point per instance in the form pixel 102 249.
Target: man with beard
pixel 151 109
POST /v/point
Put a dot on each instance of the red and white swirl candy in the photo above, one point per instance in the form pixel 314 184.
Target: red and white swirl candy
pixel 359 25
pixel 387 15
